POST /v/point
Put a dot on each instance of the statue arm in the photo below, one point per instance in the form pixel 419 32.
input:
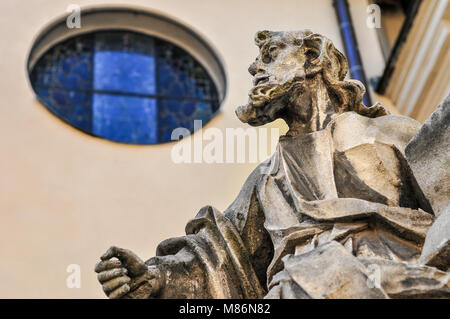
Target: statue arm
pixel 231 248
pixel 211 261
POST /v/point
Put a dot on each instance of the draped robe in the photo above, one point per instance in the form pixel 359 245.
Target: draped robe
pixel 333 213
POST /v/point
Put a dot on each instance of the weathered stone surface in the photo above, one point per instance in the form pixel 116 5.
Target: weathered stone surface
pixel 330 271
pixel 428 154
pixel 436 249
pixel 336 212
pixel 408 280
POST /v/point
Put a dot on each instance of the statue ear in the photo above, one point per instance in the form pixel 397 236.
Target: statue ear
pixel 313 46
pixel 321 54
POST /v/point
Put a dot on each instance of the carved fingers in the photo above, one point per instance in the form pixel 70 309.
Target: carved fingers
pixel 129 260
pixel 111 274
pixel 113 277
pixel 107 264
pixel 124 275
pixel 111 285
pixel 117 270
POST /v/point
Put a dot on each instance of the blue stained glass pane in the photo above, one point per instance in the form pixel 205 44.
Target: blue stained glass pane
pixel 73 73
pixel 188 108
pixel 124 72
pixel 123 68
pixel 73 107
pixel 180 75
pixel 41 75
pixel 66 66
pixel 126 119
pixel 202 112
pixel 179 113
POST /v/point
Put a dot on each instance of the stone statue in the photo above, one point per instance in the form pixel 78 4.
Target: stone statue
pixel 336 212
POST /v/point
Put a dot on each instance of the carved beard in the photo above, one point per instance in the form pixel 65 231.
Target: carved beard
pixel 266 102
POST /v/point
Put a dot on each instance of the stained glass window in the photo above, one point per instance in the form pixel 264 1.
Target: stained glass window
pixel 124 86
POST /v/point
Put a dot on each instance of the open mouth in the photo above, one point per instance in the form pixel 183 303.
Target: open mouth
pixel 260 120
pixel 260 79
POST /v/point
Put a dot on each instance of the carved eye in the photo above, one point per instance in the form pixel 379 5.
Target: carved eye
pixel 261 36
pixel 273 51
pixel 266 58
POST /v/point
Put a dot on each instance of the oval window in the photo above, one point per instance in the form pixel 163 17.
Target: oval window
pixel 124 86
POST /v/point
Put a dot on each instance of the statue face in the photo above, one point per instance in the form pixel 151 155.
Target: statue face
pixel 276 71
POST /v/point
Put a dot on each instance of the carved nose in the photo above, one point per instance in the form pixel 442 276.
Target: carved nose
pixel 254 69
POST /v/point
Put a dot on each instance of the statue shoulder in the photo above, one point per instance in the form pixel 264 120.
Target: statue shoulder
pixel 397 124
pixel 351 129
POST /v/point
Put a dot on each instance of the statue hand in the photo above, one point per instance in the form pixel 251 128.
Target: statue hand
pixel 124 275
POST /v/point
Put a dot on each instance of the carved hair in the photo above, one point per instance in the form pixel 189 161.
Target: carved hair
pixel 323 57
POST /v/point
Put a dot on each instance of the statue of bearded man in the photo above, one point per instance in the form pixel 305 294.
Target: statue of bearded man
pixel 336 212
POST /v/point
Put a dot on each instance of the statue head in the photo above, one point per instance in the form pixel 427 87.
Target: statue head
pixel 286 63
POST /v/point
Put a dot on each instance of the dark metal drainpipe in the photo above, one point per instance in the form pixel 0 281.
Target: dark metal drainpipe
pixel 351 45
pixel 411 11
